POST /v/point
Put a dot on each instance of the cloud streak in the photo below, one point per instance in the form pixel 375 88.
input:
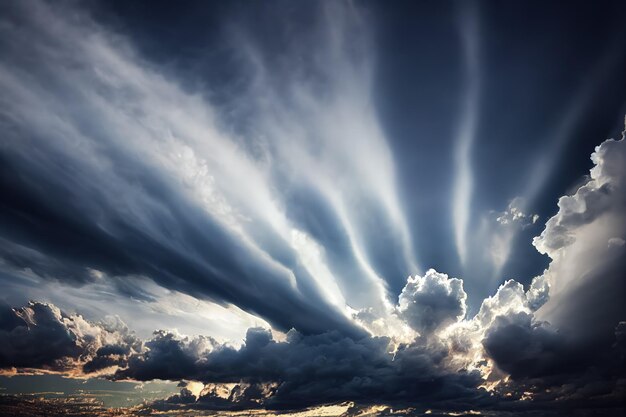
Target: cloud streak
pixel 136 177
pixel 466 130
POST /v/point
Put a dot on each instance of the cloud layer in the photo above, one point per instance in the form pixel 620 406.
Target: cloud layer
pixel 105 175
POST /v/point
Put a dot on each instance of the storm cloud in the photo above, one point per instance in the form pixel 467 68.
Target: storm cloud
pixel 41 337
pixel 315 369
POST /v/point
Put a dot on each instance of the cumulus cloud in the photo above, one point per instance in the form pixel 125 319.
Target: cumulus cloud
pixel 304 370
pixel 432 302
pixel 520 346
pixel 587 272
pixel 562 328
pixel 539 292
pixel 23 332
pixel 230 397
pixel 510 298
pixel 514 214
pixel 314 369
pixel 559 337
pixel 600 196
pixel 262 372
pixel 466 338
pixel 41 337
pixel 446 370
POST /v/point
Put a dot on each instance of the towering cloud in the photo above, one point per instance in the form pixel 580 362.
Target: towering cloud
pixel 586 271
pixel 431 302
pixel 570 344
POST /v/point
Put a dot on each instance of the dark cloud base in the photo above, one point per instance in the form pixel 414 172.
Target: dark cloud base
pixel 547 374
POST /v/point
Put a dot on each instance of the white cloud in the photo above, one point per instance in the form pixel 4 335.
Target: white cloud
pixel 584 268
pixel 432 302
pixel 539 292
pixel 39 336
pixel 466 131
pixel 514 214
pixel 110 127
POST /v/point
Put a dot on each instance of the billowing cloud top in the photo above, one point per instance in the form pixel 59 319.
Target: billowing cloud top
pixel 427 303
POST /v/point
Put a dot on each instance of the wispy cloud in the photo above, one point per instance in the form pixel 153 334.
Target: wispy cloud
pixel 168 190
pixel 543 165
pixel 466 129
pixel 565 128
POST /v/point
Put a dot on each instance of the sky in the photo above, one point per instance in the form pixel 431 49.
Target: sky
pixel 344 208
